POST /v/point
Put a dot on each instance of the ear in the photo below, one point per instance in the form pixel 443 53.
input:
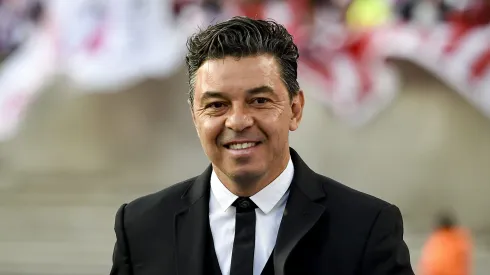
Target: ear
pixel 297 105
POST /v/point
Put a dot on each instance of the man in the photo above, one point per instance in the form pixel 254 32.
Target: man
pixel 448 249
pixel 258 208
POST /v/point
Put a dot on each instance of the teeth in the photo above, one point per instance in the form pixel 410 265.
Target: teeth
pixel 240 146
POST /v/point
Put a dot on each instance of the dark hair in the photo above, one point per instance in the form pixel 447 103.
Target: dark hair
pixel 36 12
pixel 446 220
pixel 242 37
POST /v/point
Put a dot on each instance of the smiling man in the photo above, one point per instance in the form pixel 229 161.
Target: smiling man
pixel 243 114
pixel 258 208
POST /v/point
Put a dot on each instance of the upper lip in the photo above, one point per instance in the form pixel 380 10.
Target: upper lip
pixel 240 142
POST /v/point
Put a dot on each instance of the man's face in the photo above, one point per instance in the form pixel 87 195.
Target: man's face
pixel 243 115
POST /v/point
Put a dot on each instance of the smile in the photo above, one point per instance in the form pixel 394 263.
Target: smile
pixel 241 146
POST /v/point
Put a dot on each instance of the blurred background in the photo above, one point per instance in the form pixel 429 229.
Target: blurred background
pixel 93 114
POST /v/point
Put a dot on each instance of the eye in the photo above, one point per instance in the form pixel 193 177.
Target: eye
pixel 215 105
pixel 260 100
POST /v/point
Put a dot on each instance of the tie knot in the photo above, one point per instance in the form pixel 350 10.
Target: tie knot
pixel 244 204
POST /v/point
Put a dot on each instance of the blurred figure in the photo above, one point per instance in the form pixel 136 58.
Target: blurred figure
pixel 214 5
pixel 448 249
pixel 18 19
pixel 313 12
pixel 337 8
pixel 425 12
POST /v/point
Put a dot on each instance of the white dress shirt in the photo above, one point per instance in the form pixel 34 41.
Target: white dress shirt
pixel 270 201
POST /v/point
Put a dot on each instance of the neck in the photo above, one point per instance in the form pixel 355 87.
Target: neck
pixel 249 185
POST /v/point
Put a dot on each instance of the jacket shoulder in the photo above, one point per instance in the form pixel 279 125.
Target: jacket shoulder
pixel 354 214
pixel 168 199
pixel 345 197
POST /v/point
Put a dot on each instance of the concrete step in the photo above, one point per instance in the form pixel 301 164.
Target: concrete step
pixel 46 223
pixel 56 240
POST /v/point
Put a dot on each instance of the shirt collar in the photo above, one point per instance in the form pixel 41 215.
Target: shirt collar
pixel 265 199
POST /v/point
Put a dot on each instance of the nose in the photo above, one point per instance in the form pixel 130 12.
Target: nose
pixel 239 119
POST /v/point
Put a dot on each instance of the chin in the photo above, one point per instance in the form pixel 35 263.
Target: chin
pixel 246 175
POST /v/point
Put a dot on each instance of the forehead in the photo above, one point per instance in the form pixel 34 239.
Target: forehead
pixel 232 74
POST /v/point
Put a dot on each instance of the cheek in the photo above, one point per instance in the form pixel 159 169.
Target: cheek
pixel 275 124
pixel 209 129
pixel 271 115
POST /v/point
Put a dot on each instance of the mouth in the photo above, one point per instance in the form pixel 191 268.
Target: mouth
pixel 241 145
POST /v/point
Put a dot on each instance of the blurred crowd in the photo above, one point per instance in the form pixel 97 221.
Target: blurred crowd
pixel 362 12
pixel 17 17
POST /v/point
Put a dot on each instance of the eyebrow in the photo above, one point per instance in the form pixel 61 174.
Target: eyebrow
pixel 265 89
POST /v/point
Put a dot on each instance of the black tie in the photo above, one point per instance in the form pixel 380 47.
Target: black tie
pixel 242 258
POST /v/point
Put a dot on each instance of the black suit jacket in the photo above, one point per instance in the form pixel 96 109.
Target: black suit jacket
pixel 327 228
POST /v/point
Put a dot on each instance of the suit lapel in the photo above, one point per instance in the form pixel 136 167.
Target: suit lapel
pixel 191 225
pixel 302 211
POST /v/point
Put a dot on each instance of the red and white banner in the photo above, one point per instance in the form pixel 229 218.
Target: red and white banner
pixel 457 55
pixel 364 82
